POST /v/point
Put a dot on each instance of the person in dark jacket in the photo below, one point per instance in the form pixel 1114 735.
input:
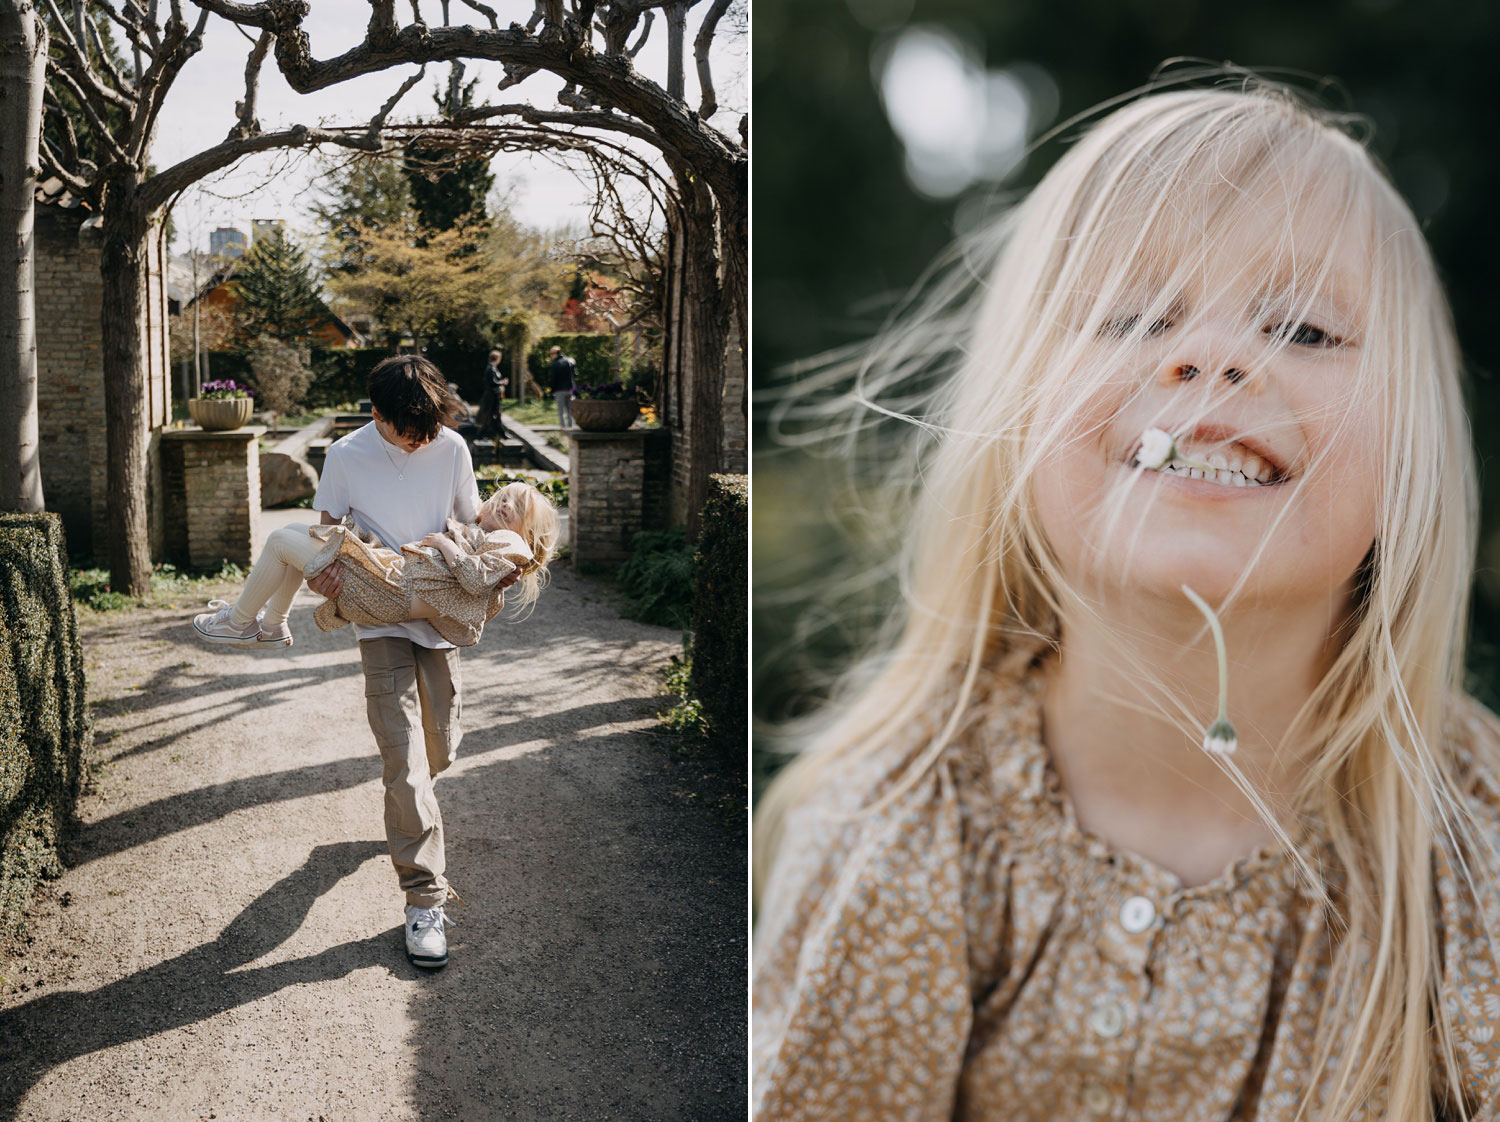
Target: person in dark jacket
pixel 490 420
pixel 562 369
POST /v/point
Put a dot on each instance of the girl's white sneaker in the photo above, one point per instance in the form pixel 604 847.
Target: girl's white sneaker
pixel 215 626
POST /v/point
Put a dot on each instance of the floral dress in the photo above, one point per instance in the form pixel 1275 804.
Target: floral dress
pixel 971 952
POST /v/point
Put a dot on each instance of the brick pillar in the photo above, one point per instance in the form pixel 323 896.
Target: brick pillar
pixel 606 492
pixel 211 500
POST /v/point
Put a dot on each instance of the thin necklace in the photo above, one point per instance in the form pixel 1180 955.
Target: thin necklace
pixel 400 471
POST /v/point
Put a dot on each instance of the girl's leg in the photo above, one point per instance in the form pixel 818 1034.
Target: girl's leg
pixel 276 576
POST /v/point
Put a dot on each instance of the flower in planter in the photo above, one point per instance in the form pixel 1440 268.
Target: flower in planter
pixel 224 391
pixel 609 391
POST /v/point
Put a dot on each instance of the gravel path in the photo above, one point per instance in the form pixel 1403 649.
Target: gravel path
pixel 226 943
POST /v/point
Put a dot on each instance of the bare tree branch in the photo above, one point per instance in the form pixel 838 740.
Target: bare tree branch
pixel 120 83
pixel 382 25
pixel 164 184
pixel 79 66
pixel 710 100
pixel 247 125
pixel 485 10
pixel 591 119
pixel 52 165
pixel 377 122
pixel 631 52
pixel 106 138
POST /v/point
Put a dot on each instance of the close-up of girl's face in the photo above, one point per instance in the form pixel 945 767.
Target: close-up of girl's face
pixel 1250 373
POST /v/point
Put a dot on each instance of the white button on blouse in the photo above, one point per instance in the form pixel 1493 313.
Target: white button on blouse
pixel 1137 914
pixel 1107 1019
pixel 1097 1098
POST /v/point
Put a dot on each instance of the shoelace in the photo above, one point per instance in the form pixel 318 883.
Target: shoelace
pixel 430 917
pixel 222 610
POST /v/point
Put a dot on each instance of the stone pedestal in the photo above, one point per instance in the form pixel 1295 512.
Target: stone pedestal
pixel 211 493
pixel 616 488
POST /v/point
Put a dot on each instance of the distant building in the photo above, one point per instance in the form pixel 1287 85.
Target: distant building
pixel 227 241
pixel 265 227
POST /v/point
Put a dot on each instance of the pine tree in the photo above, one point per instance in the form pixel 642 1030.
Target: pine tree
pixel 449 193
pixel 278 291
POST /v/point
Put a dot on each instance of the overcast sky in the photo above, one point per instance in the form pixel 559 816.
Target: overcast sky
pixel 200 110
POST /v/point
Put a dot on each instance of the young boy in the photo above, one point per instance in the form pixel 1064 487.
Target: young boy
pixel 401 477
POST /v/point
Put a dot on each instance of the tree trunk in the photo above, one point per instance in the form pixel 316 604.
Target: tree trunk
pixel 704 304
pixel 23 61
pixel 123 264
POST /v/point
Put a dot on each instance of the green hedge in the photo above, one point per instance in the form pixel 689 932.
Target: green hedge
pixel 342 374
pixel 44 721
pixel 721 611
pixel 594 354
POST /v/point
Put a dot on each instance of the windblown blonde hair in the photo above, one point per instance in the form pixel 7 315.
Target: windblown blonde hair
pixel 983 370
pixel 535 519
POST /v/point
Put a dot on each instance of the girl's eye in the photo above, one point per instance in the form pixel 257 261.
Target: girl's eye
pixel 1303 334
pixel 1126 325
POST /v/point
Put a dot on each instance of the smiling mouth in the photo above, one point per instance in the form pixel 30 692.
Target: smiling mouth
pixel 1228 465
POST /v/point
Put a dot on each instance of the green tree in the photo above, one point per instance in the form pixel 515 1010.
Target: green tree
pixel 358 194
pixel 278 290
pixel 282 374
pixel 448 191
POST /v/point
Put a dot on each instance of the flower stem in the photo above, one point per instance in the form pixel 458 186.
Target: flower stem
pixel 1221 736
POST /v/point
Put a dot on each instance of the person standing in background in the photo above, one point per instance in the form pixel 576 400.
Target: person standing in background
pixel 562 369
pixel 491 421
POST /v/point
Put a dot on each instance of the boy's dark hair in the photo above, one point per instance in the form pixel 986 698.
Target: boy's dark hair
pixel 412 394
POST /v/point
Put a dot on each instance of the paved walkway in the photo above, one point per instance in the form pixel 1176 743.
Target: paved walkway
pixel 226 943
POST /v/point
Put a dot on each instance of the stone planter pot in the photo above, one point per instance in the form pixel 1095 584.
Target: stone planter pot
pixel 220 414
pixel 604 416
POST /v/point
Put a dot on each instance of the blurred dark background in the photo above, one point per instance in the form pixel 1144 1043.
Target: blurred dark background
pixel 885 127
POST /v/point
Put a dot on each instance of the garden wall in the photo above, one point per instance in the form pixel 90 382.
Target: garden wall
pixel 44 721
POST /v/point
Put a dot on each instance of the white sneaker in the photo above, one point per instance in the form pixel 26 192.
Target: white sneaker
pixel 426 945
pixel 216 627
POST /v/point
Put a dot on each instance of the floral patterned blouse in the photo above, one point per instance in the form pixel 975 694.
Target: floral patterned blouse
pixel 971 952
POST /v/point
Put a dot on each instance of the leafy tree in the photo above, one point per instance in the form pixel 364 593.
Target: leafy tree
pixel 278 290
pixel 446 190
pixel 282 373
pixel 360 192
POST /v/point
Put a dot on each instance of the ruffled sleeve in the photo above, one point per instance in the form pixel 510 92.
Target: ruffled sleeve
pixel 1470 918
pixel 862 1002
pixel 485 560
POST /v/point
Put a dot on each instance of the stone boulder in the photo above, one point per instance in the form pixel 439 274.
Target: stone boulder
pixel 285 479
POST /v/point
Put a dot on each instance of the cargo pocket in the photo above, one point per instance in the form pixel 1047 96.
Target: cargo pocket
pixel 383 706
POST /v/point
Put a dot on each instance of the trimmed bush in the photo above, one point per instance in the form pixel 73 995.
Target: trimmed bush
pixel 594 354
pixel 44 721
pixel 721 612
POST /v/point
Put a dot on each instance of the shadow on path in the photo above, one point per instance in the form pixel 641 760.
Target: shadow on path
pixel 51 1030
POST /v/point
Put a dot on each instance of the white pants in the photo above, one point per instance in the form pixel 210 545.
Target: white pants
pixel 277 575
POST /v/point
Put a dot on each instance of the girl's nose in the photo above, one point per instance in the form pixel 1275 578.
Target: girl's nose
pixel 1207 357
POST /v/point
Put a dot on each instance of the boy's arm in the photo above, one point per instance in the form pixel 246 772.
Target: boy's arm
pixel 330 580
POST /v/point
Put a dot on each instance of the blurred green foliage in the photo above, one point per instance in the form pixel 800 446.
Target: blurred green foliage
pixel 840 231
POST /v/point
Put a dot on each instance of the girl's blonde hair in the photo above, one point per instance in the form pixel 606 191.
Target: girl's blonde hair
pixel 532 516
pixel 982 370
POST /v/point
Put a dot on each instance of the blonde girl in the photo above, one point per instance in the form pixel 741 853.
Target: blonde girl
pixel 1160 798
pixel 456 579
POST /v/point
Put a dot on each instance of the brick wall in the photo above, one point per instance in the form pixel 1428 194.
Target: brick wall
pixel 70 376
pixel 70 384
pixel 606 485
pixel 211 494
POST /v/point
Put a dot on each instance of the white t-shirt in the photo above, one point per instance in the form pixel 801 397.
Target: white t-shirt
pixel 399 497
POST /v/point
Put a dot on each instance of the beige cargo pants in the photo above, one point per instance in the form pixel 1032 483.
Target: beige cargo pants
pixel 412 699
